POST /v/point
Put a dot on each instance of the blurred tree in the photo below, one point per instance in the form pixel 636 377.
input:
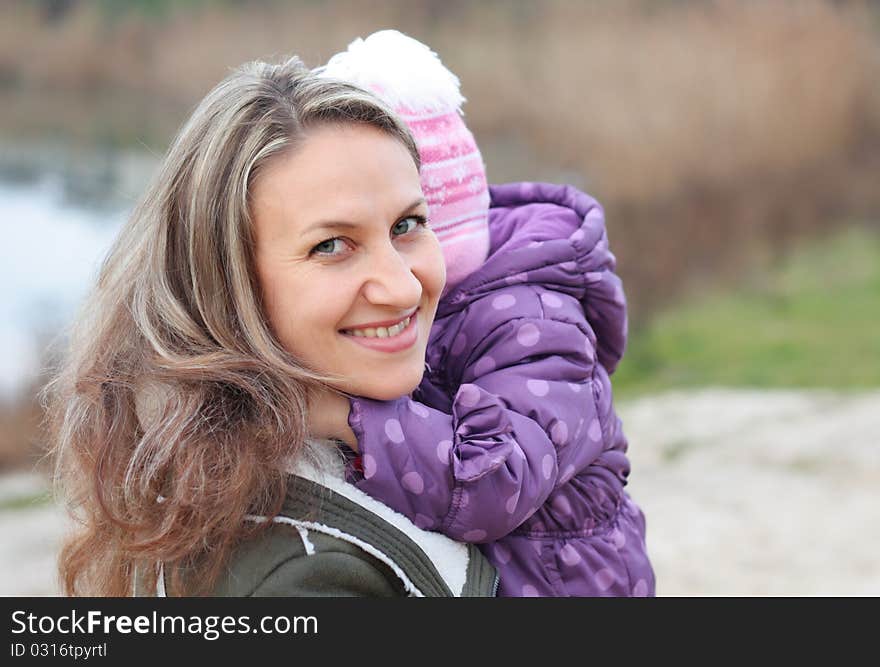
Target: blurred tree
pixel 54 11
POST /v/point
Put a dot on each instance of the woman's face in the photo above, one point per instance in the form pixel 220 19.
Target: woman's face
pixel 350 275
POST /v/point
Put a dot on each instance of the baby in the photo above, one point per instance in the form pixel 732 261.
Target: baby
pixel 511 440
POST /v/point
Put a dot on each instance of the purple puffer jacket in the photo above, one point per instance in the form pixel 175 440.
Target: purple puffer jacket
pixel 511 440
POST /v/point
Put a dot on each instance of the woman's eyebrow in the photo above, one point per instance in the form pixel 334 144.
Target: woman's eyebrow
pixel 331 224
pixel 418 202
pixel 342 224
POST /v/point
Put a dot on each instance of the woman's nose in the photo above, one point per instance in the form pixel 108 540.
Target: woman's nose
pixel 391 280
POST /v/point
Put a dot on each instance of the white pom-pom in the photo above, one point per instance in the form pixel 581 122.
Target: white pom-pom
pixel 400 69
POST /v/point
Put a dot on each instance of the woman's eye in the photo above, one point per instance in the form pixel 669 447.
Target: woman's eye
pixel 336 246
pixel 327 247
pixel 408 224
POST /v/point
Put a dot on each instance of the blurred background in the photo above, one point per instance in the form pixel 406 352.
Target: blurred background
pixel 734 145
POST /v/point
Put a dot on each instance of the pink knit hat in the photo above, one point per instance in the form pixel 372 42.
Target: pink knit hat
pixel 410 78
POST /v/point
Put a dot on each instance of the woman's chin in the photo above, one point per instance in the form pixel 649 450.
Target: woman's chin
pixel 385 391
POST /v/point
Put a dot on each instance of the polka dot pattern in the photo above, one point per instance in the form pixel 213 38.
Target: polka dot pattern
pixel 567 474
pixel 443 449
pixel 617 538
pixel 605 579
pixel 503 302
pixel 458 344
pixel 547 466
pixel 528 335
pixel 502 554
pixel 561 505
pixel 418 409
pixel 569 555
pixel 595 431
pixel 569 266
pixel 475 535
pixel 510 505
pixel 576 388
pixel 529 591
pixel 394 431
pixel 413 482
pixel 484 366
pixel 516 278
pixel 468 395
pixel 577 235
pixel 559 433
pixel 577 431
pixel 551 300
pixel 464 499
pixel 538 387
pixel 640 590
pixel 631 508
pixel 369 464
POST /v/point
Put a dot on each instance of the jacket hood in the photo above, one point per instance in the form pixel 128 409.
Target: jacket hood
pixel 552 236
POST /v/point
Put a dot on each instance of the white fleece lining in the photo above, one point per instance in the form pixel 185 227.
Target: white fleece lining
pixel 302 527
pixel 160 582
pixel 304 534
pixel 448 556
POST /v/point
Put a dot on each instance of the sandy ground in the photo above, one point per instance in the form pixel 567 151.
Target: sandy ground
pixel 746 493
pixel 759 493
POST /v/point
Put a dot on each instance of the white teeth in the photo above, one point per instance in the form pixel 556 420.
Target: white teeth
pixel 380 332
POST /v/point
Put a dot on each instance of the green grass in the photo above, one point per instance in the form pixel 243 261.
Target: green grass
pixel 812 322
pixel 26 501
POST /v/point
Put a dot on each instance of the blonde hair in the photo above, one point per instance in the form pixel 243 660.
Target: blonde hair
pixel 175 407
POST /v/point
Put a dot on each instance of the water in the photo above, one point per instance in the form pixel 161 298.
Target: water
pixel 51 251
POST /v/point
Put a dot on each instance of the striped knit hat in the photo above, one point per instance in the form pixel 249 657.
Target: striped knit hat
pixel 410 78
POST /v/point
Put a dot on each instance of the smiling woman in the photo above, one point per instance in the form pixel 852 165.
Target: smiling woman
pixel 280 257
pixel 358 306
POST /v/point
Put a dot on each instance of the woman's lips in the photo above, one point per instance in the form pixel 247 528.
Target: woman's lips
pixel 402 341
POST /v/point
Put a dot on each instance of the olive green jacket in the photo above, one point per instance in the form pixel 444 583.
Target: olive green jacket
pixel 331 539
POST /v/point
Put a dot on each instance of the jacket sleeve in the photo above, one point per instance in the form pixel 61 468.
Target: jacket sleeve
pixel 479 472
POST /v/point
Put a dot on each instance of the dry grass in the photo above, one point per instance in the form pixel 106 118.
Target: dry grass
pixel 20 422
pixel 642 103
pixel 710 97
